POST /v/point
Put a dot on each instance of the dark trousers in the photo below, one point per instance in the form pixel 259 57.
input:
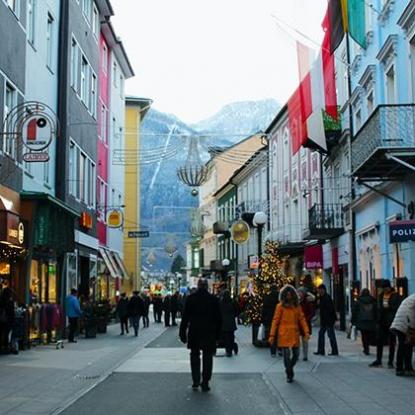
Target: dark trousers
pixel 404 354
pixel 273 347
pixel 173 318
pixel 73 324
pixel 167 318
pixel 146 321
pixel 135 322
pixel 228 338
pixel 159 315
pixel 207 361
pixel 124 324
pixel 4 336
pixel 366 337
pixel 290 359
pixel 332 337
pixel 385 336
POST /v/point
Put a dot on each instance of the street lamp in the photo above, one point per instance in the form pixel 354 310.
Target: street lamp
pixel 259 220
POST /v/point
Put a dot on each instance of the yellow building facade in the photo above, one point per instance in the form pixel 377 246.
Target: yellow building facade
pixel 135 111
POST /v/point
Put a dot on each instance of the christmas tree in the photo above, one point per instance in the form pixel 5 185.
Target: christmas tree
pixel 270 272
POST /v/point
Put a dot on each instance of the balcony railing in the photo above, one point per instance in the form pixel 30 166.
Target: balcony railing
pixel 390 127
pixel 325 221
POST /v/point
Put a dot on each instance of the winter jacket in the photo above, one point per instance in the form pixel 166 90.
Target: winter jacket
pixel 6 311
pixel 73 308
pixel 228 313
pixel 327 312
pixel 308 309
pixel 364 313
pixel 387 314
pixel 174 304
pixel 167 304
pixel 122 308
pixel 290 324
pixel 136 306
pixel 405 316
pixel 268 309
pixel 201 321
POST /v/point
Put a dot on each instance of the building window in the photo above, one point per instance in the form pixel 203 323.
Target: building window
pixel 358 119
pixel 95 22
pixel 390 85
pixel 121 86
pixel 10 101
pixel 31 18
pixel 94 95
pixel 74 65
pixel 46 172
pixel 87 9
pixel 412 51
pixel 115 75
pixel 49 41
pixel 14 6
pixel 370 103
pixel 103 124
pixel 72 175
pixel 84 73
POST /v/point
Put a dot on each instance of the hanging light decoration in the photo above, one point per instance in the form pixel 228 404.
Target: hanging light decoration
pixel 170 247
pixel 151 257
pixel 197 229
pixel 193 173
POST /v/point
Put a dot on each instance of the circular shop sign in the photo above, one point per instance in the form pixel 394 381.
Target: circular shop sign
pixel 240 232
pixel 37 131
pixel 115 219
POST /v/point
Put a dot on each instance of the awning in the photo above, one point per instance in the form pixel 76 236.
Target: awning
pixel 106 256
pixel 121 265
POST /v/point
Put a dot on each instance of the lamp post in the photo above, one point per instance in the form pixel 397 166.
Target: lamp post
pixel 225 265
pixel 259 220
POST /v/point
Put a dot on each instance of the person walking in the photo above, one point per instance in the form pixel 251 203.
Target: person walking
pixel 403 321
pixel 73 311
pixel 268 310
pixel 174 307
pixel 146 310
pixel 364 318
pixel 327 319
pixel 7 316
pixel 288 324
pixel 135 311
pixel 122 311
pixel 228 313
pixel 306 300
pixel 387 305
pixel 167 310
pixel 157 308
pixel 200 328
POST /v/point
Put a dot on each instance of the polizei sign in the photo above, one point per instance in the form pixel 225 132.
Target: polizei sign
pixel 402 231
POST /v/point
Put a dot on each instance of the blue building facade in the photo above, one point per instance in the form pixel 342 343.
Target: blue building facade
pixel 383 143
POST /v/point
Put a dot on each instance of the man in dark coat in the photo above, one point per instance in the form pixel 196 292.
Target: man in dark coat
pixel 7 316
pixel 122 311
pixel 135 311
pixel 146 303
pixel 157 308
pixel 327 319
pixel 167 310
pixel 229 313
pixel 388 303
pixel 200 329
pixel 268 309
pixel 174 308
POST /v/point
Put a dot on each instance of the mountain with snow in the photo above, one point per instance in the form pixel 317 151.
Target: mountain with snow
pixel 165 201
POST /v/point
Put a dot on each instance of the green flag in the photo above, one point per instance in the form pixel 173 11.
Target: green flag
pixel 357 21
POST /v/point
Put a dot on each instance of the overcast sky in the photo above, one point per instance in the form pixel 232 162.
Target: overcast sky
pixel 194 56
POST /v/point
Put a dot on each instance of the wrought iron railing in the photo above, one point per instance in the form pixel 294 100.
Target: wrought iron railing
pixel 390 126
pixel 326 217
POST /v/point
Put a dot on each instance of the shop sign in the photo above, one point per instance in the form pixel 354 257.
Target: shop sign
pixel 86 220
pixel 115 219
pixel 12 229
pixel 37 132
pixel 138 234
pixel 402 231
pixel 313 257
pixel 240 232
pixel 253 262
pixel 36 157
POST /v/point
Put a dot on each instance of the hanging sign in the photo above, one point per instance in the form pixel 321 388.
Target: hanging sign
pixel 115 219
pixel 138 234
pixel 402 231
pixel 37 132
pixel 240 232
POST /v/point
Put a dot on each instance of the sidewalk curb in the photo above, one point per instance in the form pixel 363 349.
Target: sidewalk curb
pixel 101 379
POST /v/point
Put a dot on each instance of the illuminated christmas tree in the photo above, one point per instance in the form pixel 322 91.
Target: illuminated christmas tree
pixel 270 272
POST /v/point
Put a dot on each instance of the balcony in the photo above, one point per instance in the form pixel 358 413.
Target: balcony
pixel 384 147
pixel 221 228
pixel 324 221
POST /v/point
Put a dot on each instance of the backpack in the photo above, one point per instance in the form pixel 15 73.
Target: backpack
pixel 366 312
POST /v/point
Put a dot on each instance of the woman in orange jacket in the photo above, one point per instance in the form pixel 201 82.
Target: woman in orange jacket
pixel 289 324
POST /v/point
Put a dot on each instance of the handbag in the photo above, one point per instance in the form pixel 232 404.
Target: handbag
pixel 261 333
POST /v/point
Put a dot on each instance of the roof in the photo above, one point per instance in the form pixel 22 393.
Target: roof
pixel 105 7
pixel 115 43
pixel 277 118
pixel 143 103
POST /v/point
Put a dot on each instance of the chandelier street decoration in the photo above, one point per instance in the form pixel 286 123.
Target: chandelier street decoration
pixel 193 173
pixel 170 247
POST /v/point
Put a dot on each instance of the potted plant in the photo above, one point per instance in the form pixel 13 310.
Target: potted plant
pixel 90 321
pixel 102 311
